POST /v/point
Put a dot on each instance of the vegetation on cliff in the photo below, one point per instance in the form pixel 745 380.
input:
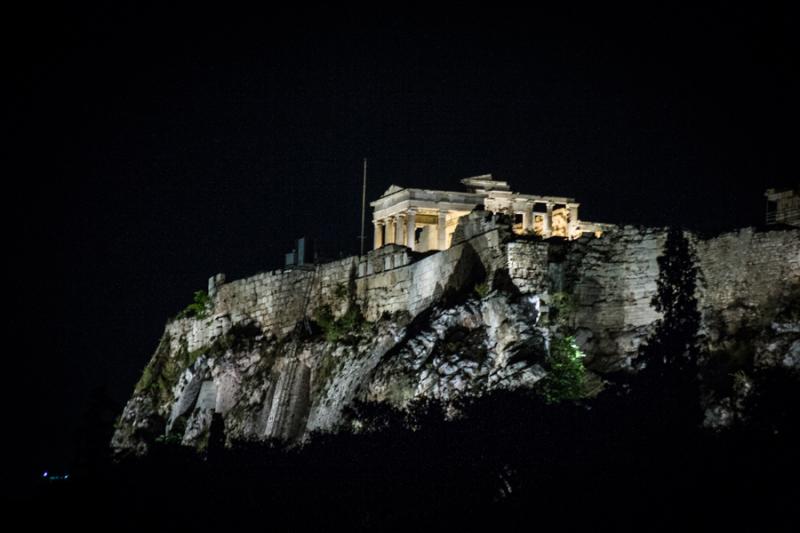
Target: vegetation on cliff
pixel 343 328
pixel 461 415
pixel 566 376
pixel 163 370
pixel 199 306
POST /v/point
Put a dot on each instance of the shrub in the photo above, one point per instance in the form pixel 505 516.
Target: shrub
pixel 198 308
pixel 566 379
pixel 164 369
pixel 339 329
pixel 482 289
pixel 172 439
pixel 152 374
pixel 340 291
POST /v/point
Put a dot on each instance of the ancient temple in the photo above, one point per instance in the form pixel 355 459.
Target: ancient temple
pixel 424 219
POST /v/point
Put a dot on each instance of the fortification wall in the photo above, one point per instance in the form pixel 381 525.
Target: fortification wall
pixel 528 264
pixel 274 300
pixel 605 285
pixel 600 287
pixel 612 281
pixel 415 286
pixel 386 280
pixel 745 277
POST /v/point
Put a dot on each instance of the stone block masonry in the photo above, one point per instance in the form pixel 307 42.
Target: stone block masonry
pixel 528 265
pixel 604 286
pixel 274 300
pixel 416 286
pixel 600 289
pixel 387 280
pixel 613 282
pixel 745 277
pixel 610 281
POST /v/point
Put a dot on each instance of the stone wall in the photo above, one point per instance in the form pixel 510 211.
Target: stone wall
pixel 389 279
pixel 612 281
pixel 415 286
pixel 600 288
pixel 385 258
pixel 274 300
pixel 528 265
pixel 745 275
pixel 607 283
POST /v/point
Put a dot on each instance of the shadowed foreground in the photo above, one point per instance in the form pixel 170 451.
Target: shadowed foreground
pixel 630 458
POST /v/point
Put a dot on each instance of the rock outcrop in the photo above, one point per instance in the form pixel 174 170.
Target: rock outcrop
pixel 283 354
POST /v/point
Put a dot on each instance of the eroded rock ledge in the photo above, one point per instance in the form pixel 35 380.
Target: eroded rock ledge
pixel 477 316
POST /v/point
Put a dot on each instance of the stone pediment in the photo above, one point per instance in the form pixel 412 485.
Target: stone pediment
pixel 391 190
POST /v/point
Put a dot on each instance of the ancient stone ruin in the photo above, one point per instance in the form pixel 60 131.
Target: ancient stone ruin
pixel 465 292
pixel 424 219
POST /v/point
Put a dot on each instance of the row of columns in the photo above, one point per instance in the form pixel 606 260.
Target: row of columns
pixel 572 220
pixel 547 227
pixel 401 229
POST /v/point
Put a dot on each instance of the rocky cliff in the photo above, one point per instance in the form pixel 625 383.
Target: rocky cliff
pixel 283 354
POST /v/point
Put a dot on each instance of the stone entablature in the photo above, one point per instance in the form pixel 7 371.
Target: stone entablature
pixel 425 219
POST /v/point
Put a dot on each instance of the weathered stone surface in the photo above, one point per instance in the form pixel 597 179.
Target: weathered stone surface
pixel 747 278
pixel 528 265
pixel 468 349
pixel 186 392
pixel 612 281
pixel 429 334
pixel 138 425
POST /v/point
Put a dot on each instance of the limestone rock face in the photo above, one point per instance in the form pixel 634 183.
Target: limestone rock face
pixel 282 389
pixel 467 349
pixel 463 321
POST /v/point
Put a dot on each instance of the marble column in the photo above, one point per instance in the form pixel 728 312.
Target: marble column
pixel 527 218
pixel 389 230
pixel 411 219
pixel 573 220
pixel 378 233
pixel 547 226
pixel 398 229
pixel 441 226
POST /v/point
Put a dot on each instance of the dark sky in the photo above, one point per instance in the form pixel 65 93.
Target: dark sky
pixel 166 145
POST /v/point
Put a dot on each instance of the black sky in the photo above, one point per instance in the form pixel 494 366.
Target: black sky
pixel 165 145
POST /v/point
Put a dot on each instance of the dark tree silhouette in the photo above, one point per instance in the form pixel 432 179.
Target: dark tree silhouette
pixel 676 333
pixel 667 387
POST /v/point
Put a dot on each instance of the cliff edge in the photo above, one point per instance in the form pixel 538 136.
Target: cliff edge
pixel 286 353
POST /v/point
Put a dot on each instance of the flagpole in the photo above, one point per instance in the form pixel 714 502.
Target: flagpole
pixel 363 206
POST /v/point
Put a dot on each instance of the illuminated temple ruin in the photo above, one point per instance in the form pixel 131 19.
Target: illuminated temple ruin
pixel 425 220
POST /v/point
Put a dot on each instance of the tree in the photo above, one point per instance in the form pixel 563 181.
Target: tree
pixel 566 377
pixel 674 345
pixel 668 385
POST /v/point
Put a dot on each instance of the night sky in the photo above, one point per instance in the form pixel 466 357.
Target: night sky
pixel 163 146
